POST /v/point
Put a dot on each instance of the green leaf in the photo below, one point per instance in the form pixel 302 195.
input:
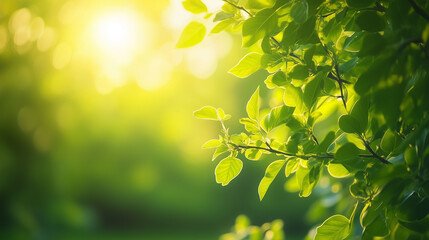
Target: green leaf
pixel 349 124
pixel 207 112
pixel 299 11
pixel 414 208
pixel 252 106
pixel 293 96
pixel 357 189
pixel 389 141
pixel 228 169
pixel 270 173
pixel 370 21
pixel 299 72
pixel 277 79
pixel 334 228
pixel 312 90
pixel 373 44
pixel 211 143
pixel 337 170
pixel 257 27
pixel 291 166
pixel 253 154
pixel 346 152
pixel 194 6
pixel 222 16
pixel 411 158
pixel 359 3
pixel 220 150
pixel 250 125
pixel 247 65
pixel 272 62
pixel 277 116
pixel 360 113
pixel 222 25
pixel 377 227
pixel 191 35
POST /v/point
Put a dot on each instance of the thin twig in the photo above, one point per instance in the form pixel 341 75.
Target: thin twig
pixel 239 7
pixel 270 149
pixel 375 155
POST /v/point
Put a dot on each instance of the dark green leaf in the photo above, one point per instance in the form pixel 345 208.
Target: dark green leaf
pixel 349 124
pixel 370 21
pixel 346 152
pixel 299 11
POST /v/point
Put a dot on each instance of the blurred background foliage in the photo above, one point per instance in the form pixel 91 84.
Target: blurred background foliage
pixel 97 137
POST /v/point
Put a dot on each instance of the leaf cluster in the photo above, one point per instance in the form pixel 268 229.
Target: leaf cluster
pixel 354 76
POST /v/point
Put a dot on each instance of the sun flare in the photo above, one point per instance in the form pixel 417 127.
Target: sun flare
pixel 118 35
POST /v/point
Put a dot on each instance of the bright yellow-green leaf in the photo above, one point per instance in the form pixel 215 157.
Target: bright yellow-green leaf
pixel 270 173
pixel 228 169
pixel 337 170
pixel 194 6
pixel 252 106
pixel 291 166
pixel 220 150
pixel 247 65
pixel 211 143
pixel 207 112
pixel 191 35
pixel 334 228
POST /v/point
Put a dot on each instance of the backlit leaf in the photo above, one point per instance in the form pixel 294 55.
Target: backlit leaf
pixel 252 106
pixel 270 173
pixel 247 65
pixel 191 35
pixel 207 112
pixel 194 6
pixel 228 169
pixel 334 228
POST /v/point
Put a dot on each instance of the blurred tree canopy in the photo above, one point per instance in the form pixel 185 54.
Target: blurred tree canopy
pixel 97 136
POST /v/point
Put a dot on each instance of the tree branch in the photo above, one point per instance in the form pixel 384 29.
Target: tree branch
pixel 375 155
pixel 418 10
pixel 271 150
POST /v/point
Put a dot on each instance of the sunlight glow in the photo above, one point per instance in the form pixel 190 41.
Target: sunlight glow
pixel 118 35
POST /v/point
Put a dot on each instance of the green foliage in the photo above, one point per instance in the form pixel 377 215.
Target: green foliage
pixel 244 230
pixel 354 76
